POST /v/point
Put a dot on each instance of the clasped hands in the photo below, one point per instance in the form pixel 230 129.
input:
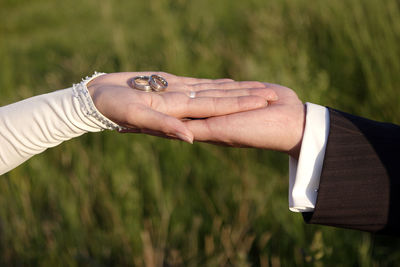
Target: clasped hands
pixel 240 114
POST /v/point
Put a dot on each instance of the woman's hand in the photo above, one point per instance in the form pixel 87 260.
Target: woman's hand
pixel 161 113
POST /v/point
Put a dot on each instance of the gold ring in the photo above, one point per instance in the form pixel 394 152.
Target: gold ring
pixel 141 83
pixel 158 83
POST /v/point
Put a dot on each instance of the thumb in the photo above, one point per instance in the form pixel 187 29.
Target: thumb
pixel 145 118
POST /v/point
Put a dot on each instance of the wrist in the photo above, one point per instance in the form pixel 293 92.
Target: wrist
pixel 300 123
pixel 87 98
pixel 96 88
pixel 92 86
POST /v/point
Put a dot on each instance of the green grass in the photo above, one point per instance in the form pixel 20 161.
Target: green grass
pixel 112 199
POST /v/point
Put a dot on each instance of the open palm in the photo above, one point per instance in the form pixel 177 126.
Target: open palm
pixel 161 113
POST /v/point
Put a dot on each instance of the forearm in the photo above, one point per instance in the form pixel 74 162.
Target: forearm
pixel 360 179
pixel 31 126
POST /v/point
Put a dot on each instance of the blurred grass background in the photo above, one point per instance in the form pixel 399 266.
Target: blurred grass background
pixel 112 199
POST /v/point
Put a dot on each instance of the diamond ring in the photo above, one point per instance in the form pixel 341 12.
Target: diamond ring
pixel 192 94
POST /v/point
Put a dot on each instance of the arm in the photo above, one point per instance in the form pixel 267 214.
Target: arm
pixel 107 102
pixel 279 127
pixel 359 183
pixel 360 179
pixel 305 172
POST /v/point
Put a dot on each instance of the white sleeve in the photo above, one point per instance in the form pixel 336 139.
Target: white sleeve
pixel 31 126
pixel 304 174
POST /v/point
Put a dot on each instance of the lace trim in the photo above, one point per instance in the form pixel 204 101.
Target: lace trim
pixel 89 109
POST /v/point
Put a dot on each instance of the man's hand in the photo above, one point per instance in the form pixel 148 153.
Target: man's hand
pixel 279 126
pixel 161 113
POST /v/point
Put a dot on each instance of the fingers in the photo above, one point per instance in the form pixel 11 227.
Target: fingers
pixel 217 129
pixel 238 129
pixel 203 131
pixel 226 85
pixel 173 79
pixel 211 106
pixel 266 93
pixel 145 119
pixel 197 81
pixel 180 105
pixel 178 83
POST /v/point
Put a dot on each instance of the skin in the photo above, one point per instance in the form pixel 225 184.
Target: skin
pixel 163 114
pixel 279 126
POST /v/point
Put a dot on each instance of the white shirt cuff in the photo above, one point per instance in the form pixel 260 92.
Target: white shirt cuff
pixel 304 173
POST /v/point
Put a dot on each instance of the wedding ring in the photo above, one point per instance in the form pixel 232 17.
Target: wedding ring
pixel 141 83
pixel 192 94
pixel 158 83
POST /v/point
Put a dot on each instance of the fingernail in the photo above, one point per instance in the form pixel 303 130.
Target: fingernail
pixel 185 138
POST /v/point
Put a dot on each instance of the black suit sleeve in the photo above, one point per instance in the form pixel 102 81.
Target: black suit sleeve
pixel 360 179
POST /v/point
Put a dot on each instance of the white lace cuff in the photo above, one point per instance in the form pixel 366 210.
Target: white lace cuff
pixel 88 108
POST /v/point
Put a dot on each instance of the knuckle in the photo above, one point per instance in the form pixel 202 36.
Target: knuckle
pixel 240 102
pixel 209 127
pixel 198 86
pixel 256 84
pixel 242 84
pixel 216 104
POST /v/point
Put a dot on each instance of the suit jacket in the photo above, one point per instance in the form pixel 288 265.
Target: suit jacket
pixel 360 179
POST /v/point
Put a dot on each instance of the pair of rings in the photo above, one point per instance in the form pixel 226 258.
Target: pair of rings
pixel 155 83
